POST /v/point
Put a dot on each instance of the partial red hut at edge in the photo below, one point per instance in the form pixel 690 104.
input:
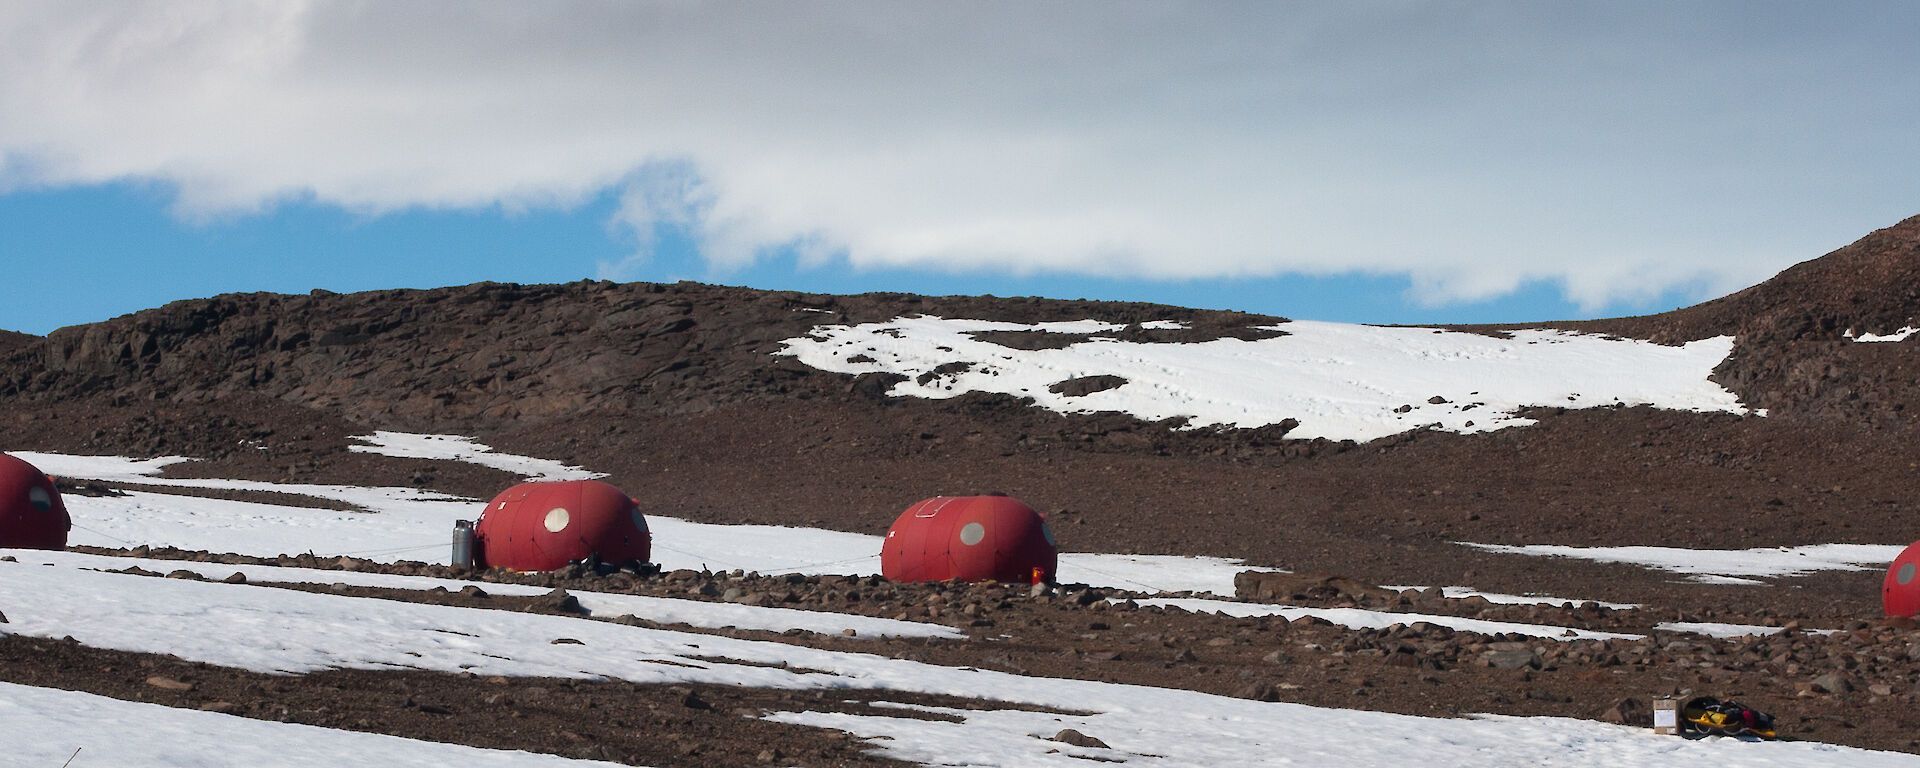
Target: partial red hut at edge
pixel 970 538
pixel 1900 589
pixel 32 514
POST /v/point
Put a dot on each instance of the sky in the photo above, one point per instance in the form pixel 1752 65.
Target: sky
pixel 1388 162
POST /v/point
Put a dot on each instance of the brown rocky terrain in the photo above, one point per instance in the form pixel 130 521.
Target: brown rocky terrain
pixel 676 391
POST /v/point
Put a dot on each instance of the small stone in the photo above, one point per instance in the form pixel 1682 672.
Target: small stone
pixel 235 578
pixel 221 707
pixel 565 641
pixel 1078 739
pixel 167 683
pixel 560 600
pixel 1832 683
pixel 1510 659
pixel 1259 691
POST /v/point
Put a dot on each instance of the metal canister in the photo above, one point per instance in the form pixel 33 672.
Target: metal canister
pixel 463 543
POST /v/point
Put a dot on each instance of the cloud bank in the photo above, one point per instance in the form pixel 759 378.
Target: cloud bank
pixel 1620 150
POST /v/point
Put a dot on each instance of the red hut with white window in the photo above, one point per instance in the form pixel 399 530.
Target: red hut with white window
pixel 970 538
pixel 32 516
pixel 543 526
pixel 1900 590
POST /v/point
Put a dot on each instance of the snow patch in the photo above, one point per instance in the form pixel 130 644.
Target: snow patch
pixel 1337 380
pixel 1457 593
pixel 1723 631
pixel 662 610
pixel 45 727
pixel 1723 566
pixel 1896 336
pixel 1360 618
pixel 408 445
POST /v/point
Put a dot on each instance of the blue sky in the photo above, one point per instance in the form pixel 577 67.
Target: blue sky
pixel 1372 162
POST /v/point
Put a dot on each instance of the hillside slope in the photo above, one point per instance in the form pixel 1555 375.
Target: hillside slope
pixel 676 391
pixel 1795 354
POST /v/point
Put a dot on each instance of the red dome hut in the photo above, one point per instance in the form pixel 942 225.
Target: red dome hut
pixel 543 526
pixel 1900 590
pixel 32 516
pixel 971 538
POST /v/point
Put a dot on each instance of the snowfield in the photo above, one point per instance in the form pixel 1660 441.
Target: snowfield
pixel 48 727
pixel 1338 380
pixel 262 628
pixel 275 630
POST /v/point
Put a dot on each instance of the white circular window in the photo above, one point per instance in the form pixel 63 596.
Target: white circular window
pixel 972 533
pixel 557 519
pixel 40 499
pixel 1905 574
pixel 639 520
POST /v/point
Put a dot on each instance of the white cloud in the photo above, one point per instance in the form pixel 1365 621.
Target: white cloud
pixel 1618 152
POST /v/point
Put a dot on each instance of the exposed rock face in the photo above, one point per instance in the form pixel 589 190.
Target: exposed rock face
pixel 1793 355
pixel 441 357
pixel 489 354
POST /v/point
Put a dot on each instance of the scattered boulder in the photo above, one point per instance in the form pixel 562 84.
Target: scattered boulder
pixel 1266 585
pixel 1511 658
pixel 1259 691
pixel 1832 683
pixel 561 601
pixel 1078 739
